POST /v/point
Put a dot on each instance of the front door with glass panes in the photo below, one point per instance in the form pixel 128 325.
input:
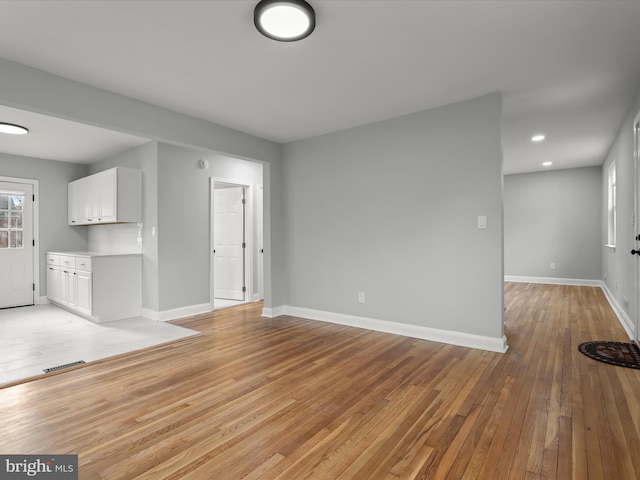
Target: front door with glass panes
pixel 16 244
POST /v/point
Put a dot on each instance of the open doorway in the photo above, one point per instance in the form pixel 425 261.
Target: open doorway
pixel 229 211
pixel 236 257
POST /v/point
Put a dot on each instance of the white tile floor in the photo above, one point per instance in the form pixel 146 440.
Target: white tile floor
pixel 45 336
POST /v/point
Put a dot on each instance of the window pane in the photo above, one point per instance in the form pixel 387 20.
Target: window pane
pixel 4 219
pixel 16 202
pixel 4 201
pixel 4 239
pixel 15 239
pixel 16 220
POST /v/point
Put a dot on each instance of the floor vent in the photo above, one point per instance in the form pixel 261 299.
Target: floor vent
pixel 66 365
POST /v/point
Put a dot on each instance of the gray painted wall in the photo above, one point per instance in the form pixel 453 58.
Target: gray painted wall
pixel 184 220
pixel 618 267
pixel 390 209
pixel 176 200
pixel 38 91
pixel 53 178
pixel 555 217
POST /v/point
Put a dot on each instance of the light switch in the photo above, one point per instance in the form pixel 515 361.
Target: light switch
pixel 482 221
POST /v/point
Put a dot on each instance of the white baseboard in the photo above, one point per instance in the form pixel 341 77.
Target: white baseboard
pixel 174 313
pixel 554 281
pixel 273 311
pixel 42 300
pixel 404 329
pixel 623 317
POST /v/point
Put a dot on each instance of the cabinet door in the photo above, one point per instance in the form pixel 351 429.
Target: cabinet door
pixel 68 288
pixel 92 198
pixel 83 292
pixel 74 203
pixel 106 188
pixel 53 283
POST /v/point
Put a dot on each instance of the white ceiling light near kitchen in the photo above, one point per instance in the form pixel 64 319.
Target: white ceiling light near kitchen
pixel 13 129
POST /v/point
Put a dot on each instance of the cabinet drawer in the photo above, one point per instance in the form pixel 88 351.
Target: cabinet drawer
pixel 83 263
pixel 67 261
pixel 53 259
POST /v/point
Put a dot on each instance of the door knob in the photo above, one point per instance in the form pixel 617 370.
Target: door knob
pixel 635 252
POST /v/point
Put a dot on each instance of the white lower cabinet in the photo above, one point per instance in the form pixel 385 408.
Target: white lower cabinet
pixel 68 287
pixel 100 287
pixel 83 292
pixel 53 283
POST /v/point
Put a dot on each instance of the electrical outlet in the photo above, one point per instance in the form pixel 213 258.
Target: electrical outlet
pixel 625 303
pixel 552 265
pixel 361 297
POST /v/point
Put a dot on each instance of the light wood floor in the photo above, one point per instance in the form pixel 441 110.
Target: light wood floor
pixel 292 399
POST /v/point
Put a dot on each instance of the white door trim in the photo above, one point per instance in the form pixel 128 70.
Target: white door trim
pixel 37 297
pixel 248 263
pixel 636 181
pixel 259 248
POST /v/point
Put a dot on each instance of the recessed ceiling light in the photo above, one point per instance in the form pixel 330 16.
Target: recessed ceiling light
pixel 547 164
pixel 537 138
pixel 285 21
pixel 12 129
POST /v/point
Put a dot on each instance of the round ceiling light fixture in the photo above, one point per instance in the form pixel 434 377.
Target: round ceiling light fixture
pixel 285 21
pixel 13 129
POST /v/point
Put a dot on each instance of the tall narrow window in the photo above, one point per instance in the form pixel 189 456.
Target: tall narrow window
pixel 611 205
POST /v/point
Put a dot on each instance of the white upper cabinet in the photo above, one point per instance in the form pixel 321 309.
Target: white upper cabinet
pixel 111 196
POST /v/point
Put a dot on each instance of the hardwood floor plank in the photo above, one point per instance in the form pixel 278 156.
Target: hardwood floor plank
pixel 288 398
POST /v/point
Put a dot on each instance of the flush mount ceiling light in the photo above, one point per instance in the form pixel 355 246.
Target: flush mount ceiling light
pixel 547 164
pixel 537 138
pixel 285 21
pixel 12 129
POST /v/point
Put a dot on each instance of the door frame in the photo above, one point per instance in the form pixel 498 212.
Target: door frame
pixel 248 225
pixel 38 299
pixel 259 217
pixel 636 222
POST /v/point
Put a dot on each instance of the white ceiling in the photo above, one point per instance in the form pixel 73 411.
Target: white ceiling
pixel 568 69
pixel 56 139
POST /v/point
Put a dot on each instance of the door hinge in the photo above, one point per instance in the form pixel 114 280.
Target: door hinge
pixel 33 197
pixel 244 245
pixel 34 242
pixel 244 201
pixel 34 287
pixel 244 289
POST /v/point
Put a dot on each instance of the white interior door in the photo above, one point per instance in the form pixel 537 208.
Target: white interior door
pixel 16 244
pixel 228 233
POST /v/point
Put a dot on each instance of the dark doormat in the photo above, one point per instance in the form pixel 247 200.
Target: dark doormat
pixel 615 353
